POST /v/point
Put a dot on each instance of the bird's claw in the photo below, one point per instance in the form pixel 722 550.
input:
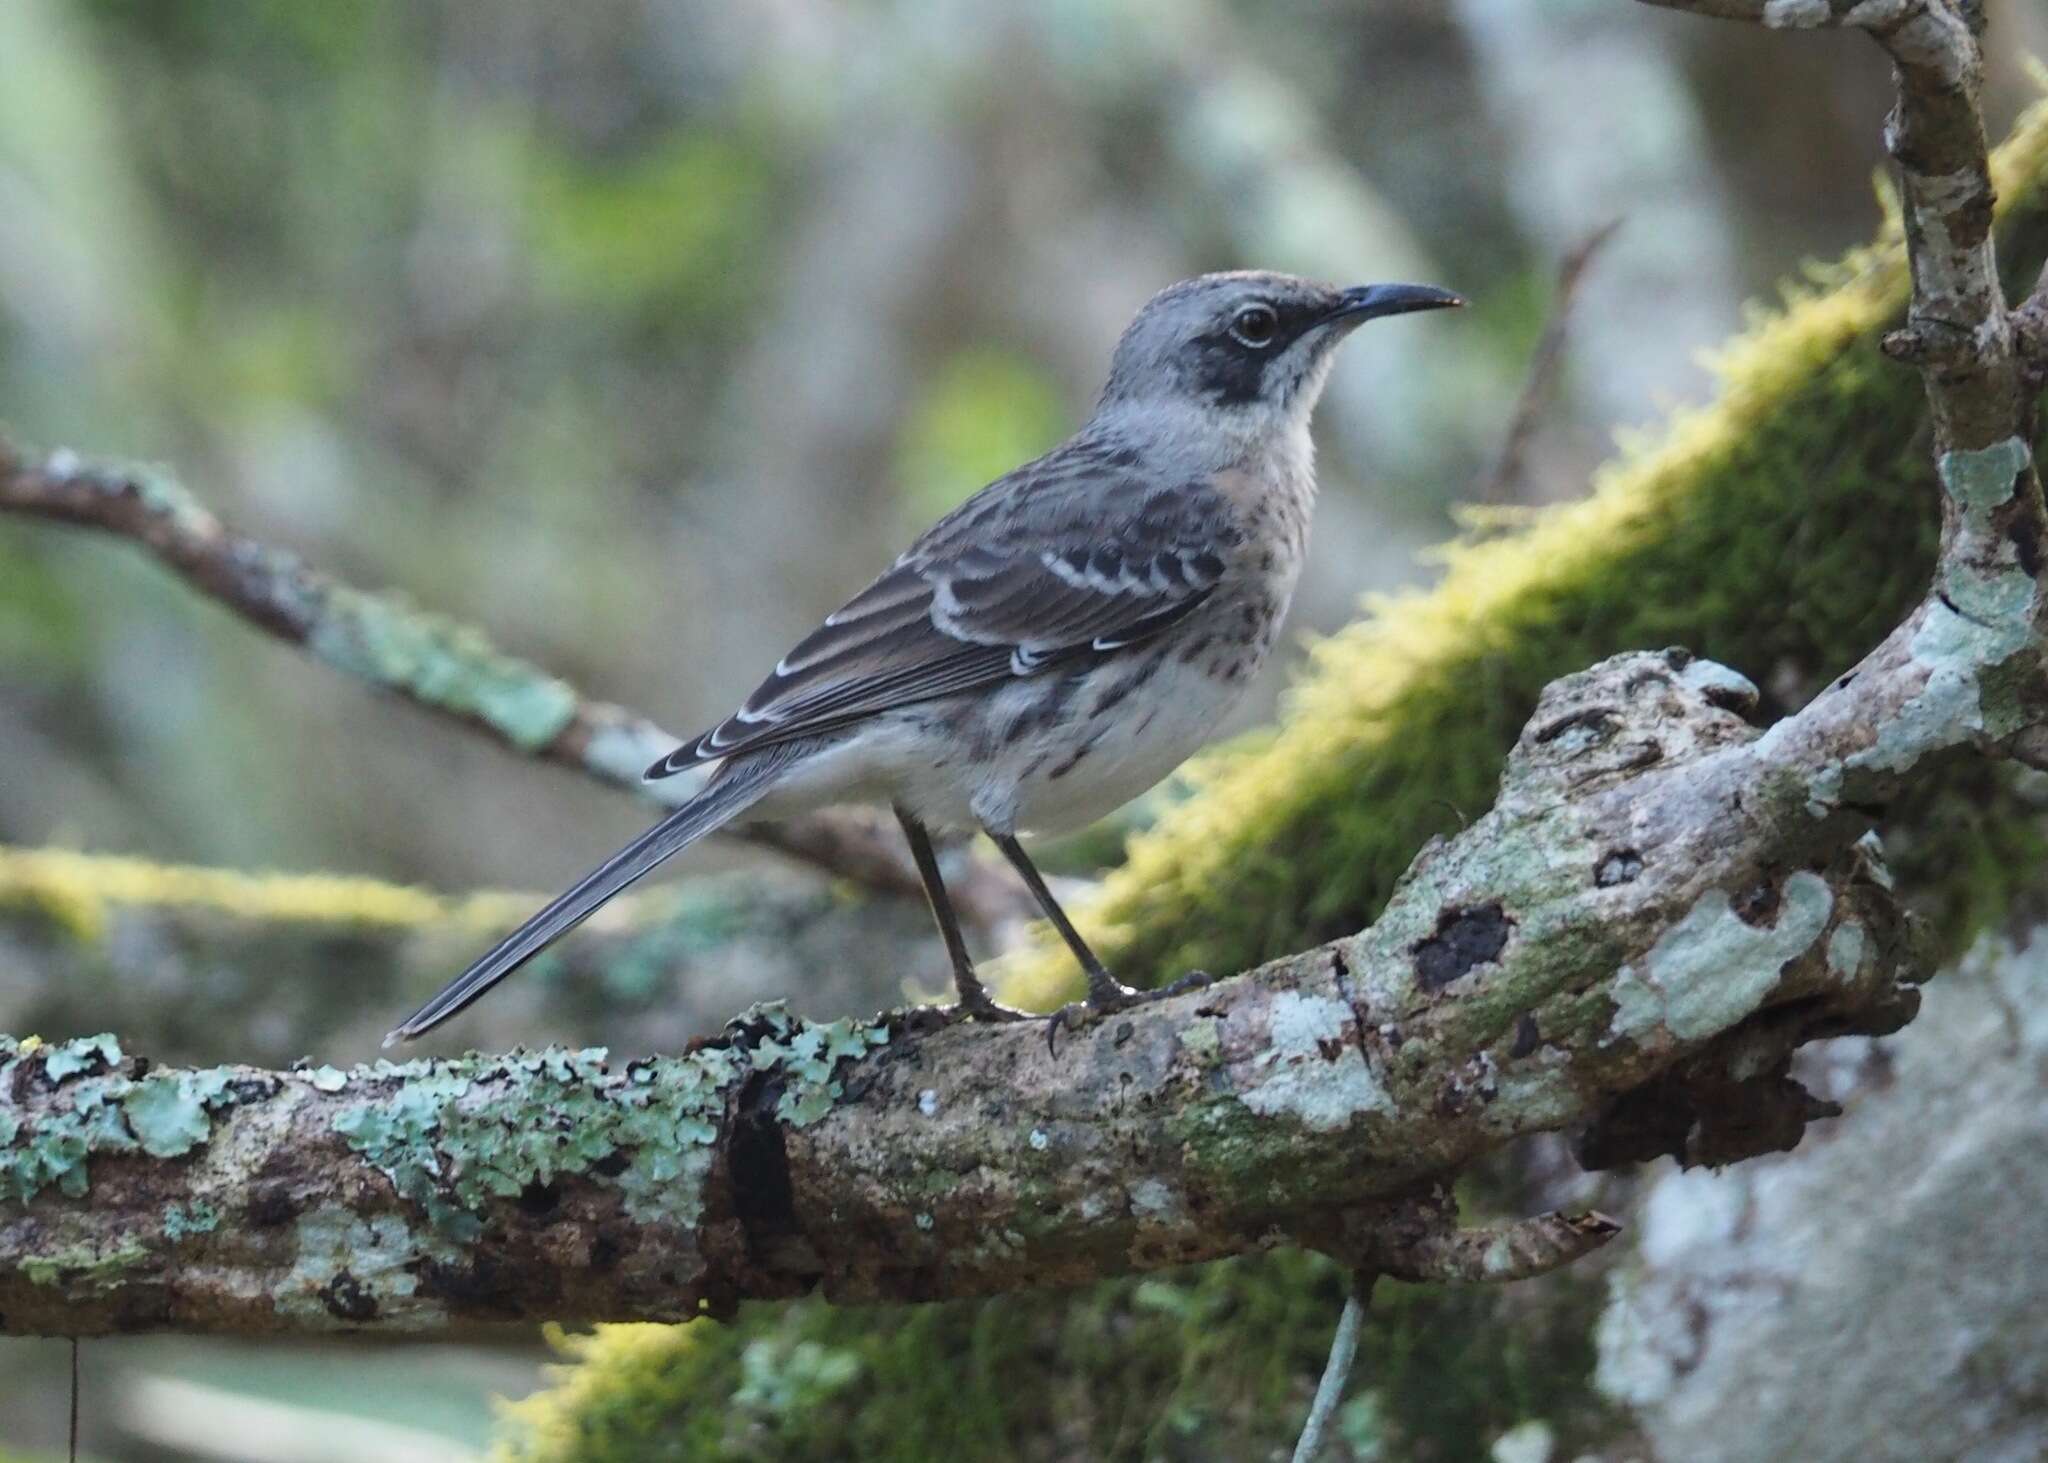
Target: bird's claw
pixel 1107 996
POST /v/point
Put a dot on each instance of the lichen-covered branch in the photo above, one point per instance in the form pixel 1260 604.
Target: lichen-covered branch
pixel 273 965
pixel 1653 890
pixel 446 667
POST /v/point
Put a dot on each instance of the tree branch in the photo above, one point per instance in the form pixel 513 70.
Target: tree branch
pixel 1652 878
pixel 448 668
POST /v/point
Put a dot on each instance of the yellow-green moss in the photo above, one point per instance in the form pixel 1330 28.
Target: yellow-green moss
pixel 79 890
pixel 1781 530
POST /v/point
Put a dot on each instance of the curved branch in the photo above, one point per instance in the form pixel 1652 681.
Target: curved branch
pixel 1653 892
pixel 448 668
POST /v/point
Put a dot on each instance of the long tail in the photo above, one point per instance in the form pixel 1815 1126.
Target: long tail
pixel 736 788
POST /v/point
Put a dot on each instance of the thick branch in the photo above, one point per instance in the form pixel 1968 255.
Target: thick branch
pixel 1652 891
pixel 448 668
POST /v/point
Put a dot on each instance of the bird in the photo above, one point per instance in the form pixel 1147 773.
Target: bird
pixel 1055 645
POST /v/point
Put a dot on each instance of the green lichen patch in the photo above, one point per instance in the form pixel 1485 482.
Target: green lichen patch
pixel 1983 479
pixel 387 642
pixel 86 1054
pixel 1316 1070
pixel 184 1220
pixel 1712 968
pixel 166 1114
pixel 353 1270
pixel 805 1055
pixel 83 1265
pixel 168 1111
pixel 452 1136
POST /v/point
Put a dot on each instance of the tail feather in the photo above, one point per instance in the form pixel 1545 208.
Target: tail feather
pixel 731 793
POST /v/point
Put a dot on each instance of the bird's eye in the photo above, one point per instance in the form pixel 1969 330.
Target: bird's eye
pixel 1255 326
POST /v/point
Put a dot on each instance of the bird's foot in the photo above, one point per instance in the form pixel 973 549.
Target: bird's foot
pixel 1107 996
pixel 973 1005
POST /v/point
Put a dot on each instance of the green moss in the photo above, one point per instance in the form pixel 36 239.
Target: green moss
pixel 81 1264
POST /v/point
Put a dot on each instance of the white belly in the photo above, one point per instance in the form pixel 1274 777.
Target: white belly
pixel 960 765
pixel 1120 754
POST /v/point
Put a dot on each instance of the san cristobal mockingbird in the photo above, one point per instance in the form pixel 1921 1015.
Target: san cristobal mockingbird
pixel 1056 644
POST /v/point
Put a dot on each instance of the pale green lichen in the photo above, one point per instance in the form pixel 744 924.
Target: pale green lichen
pixel 621 753
pixel 100 1109
pixel 84 1266
pixel 1317 1072
pixel 1982 480
pixel 1711 678
pixel 168 1111
pixel 1845 949
pixel 86 1054
pixel 1712 968
pixel 452 1136
pixel 1203 1040
pixel 183 1220
pixel 810 1055
pixel 389 643
pixel 352 1269
pixel 1151 1199
pixel 157 488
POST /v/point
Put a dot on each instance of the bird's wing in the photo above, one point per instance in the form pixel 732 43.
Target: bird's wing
pixel 1040 569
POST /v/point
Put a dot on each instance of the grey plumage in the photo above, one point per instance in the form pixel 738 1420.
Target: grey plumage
pixel 1061 640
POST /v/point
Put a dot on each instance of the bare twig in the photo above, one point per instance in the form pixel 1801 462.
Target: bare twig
pixel 1503 483
pixel 1337 1370
pixel 446 667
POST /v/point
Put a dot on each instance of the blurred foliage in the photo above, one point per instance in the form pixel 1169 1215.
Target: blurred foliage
pixel 1209 1363
pixel 983 412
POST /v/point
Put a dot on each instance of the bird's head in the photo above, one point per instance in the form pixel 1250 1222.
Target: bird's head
pixel 1250 345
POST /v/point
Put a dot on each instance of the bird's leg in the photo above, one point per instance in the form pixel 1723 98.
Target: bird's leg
pixel 1105 991
pixel 975 1000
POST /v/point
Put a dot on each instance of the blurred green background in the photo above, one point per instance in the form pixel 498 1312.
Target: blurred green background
pixel 641 333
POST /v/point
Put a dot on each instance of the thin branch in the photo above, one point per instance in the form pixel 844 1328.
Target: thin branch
pixel 448 668
pixel 1503 482
pixel 1337 1370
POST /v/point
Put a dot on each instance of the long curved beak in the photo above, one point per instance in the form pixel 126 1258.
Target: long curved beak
pixel 1370 301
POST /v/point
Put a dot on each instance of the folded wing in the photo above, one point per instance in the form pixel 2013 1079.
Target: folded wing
pixel 972 606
